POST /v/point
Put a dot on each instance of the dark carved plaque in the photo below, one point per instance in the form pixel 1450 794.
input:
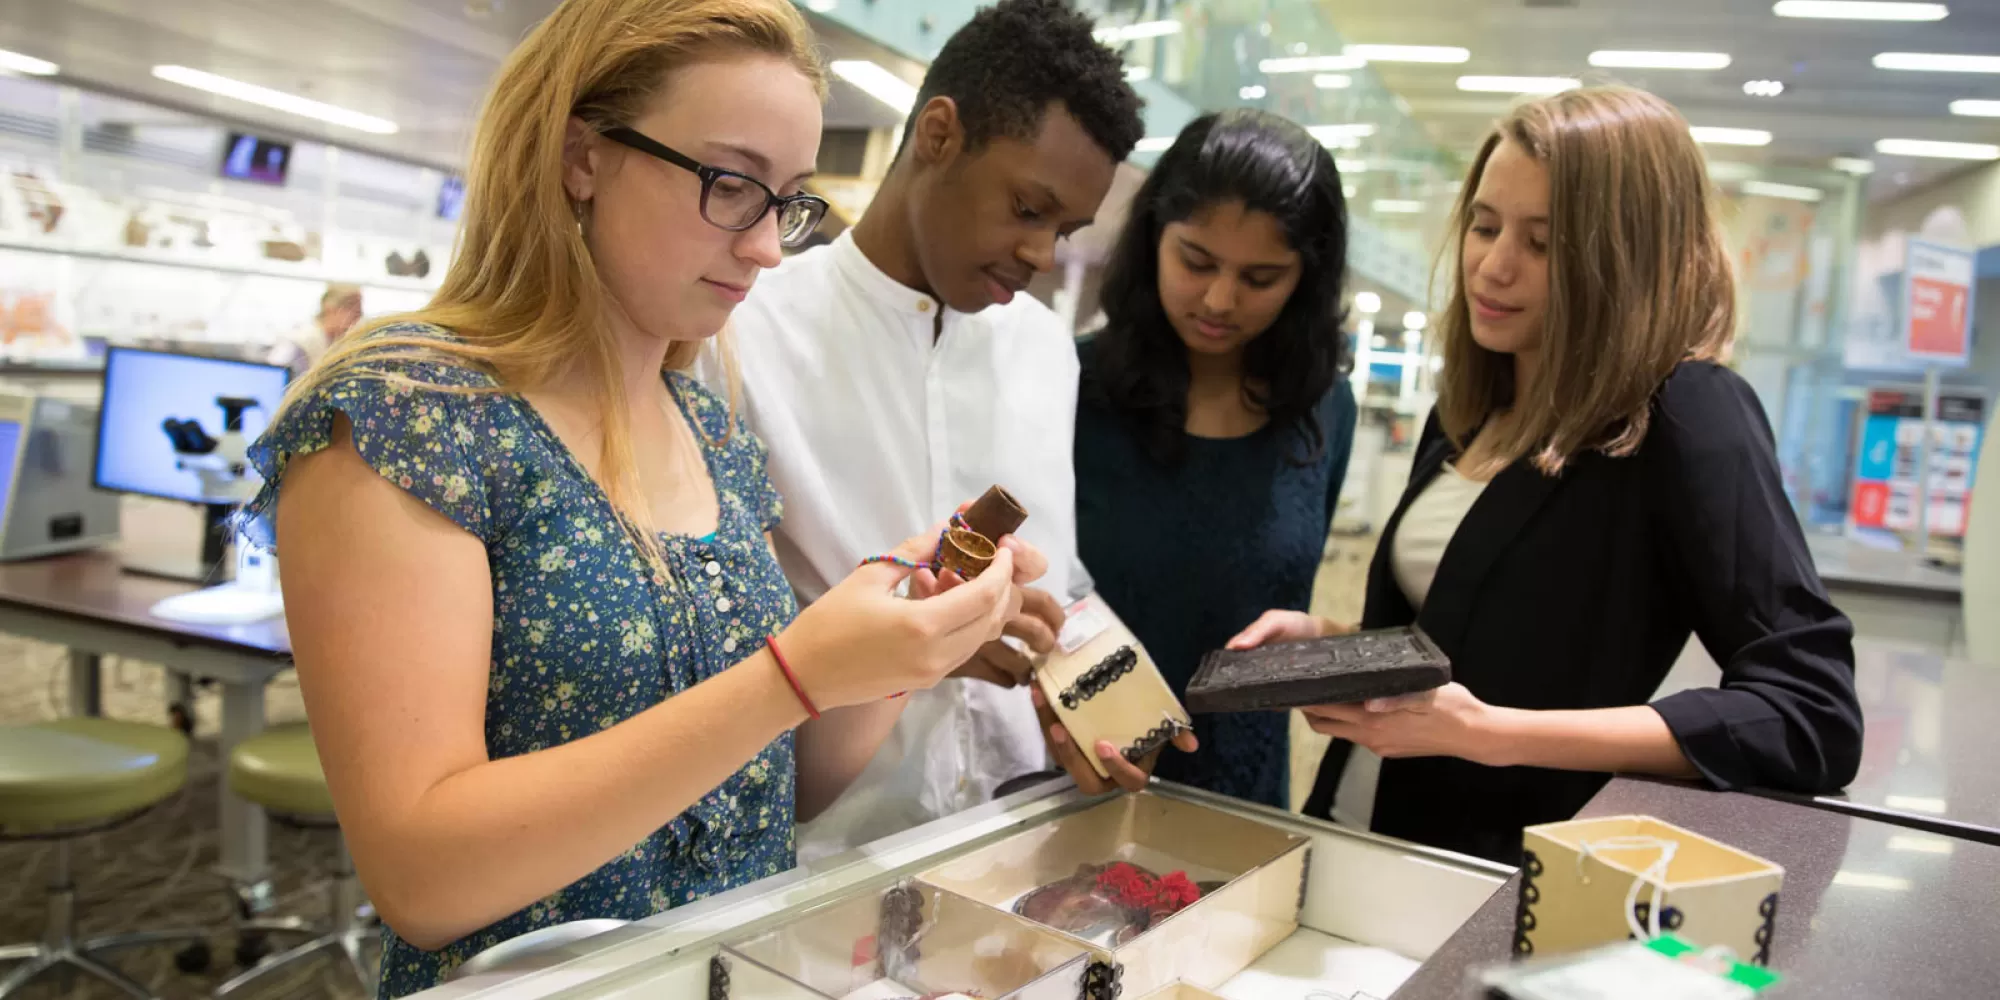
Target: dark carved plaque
pixel 1380 663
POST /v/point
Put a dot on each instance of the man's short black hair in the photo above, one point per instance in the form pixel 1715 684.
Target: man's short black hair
pixel 1007 64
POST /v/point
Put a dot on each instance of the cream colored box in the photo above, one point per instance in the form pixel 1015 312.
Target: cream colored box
pixel 1209 942
pixel 1577 879
pixel 1102 685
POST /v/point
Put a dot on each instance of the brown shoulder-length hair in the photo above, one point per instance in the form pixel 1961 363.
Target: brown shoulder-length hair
pixel 1639 280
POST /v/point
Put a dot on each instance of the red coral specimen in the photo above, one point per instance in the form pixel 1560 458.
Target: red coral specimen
pixel 1128 885
pixel 1176 891
pixel 1136 889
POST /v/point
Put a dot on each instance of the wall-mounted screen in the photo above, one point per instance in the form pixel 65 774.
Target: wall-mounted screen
pixel 255 159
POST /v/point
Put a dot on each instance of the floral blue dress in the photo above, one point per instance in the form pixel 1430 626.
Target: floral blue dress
pixel 585 635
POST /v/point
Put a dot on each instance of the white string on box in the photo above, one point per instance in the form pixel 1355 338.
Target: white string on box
pixel 1656 873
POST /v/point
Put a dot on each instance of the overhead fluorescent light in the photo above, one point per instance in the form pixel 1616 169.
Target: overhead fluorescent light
pixel 1341 136
pixel 1135 32
pixel 1408 53
pixel 18 63
pixel 1311 64
pixel 1790 192
pixel 1976 109
pixel 1729 171
pixel 1852 165
pixel 1349 190
pixel 1414 320
pixel 1367 303
pixel 1351 166
pixel 821 6
pixel 1730 136
pixel 1518 84
pixel 1865 880
pixel 877 82
pixel 1398 206
pixel 1621 59
pixel 1916 844
pixel 1764 88
pixel 1154 144
pixel 1915 803
pixel 1860 10
pixel 1254 92
pixel 276 100
pixel 1134 74
pixel 1934 62
pixel 1333 81
pixel 1938 150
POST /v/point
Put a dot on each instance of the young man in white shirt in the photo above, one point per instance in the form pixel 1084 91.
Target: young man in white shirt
pixel 904 369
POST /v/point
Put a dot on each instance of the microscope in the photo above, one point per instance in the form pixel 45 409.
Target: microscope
pixel 222 465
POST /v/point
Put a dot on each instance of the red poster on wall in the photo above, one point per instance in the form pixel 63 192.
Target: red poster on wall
pixel 1937 318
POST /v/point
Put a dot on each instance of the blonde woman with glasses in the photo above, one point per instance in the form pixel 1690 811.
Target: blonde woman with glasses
pixel 551 664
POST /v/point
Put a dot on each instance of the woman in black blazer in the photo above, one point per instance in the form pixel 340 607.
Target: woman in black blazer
pixel 1592 488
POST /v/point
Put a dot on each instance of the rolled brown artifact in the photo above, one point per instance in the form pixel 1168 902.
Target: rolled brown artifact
pixel 996 513
pixel 966 553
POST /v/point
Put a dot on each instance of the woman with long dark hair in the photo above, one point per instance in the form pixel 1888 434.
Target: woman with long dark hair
pixel 1213 424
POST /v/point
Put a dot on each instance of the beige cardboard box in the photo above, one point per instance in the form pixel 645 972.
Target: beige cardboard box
pixel 1102 685
pixel 1220 935
pixel 1577 879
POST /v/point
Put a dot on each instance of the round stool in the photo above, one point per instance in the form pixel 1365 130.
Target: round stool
pixel 279 770
pixel 61 780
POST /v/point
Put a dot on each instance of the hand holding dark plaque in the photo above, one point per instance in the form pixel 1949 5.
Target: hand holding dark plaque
pixel 1334 669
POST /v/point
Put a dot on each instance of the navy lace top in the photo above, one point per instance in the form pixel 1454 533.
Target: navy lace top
pixel 585 635
pixel 1189 555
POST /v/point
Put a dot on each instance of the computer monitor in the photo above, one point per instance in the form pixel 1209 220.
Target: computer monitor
pixel 158 411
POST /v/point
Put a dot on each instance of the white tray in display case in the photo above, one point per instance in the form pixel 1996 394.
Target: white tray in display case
pixel 1371 911
pixel 1263 871
pixel 908 941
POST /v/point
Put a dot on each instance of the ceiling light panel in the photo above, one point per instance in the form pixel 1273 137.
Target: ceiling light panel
pixel 1630 59
pixel 277 100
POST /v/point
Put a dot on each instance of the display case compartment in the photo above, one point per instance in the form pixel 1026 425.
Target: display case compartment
pixel 1263 871
pixel 907 941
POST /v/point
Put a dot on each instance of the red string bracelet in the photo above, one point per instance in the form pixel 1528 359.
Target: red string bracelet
pixel 791 678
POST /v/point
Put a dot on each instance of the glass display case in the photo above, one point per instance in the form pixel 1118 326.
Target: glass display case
pixel 907 941
pixel 1288 908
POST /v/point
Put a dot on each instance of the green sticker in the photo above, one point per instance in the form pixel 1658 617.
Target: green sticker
pixel 1755 977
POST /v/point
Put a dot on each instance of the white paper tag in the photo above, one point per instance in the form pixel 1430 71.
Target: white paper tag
pixel 1085 622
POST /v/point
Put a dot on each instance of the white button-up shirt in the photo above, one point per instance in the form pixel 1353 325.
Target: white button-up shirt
pixel 879 427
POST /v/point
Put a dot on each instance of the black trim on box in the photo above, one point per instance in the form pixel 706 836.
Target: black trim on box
pixel 1524 911
pixel 1094 681
pixel 1159 736
pixel 718 978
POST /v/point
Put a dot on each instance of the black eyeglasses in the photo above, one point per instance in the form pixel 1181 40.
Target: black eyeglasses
pixel 730 200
